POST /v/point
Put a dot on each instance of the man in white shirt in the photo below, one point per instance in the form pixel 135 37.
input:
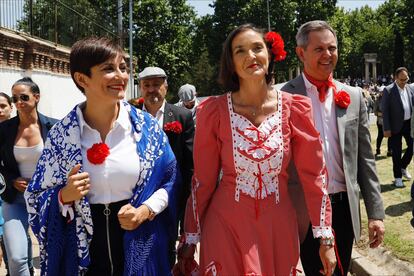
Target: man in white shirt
pixel 178 124
pixel 397 107
pixel 340 116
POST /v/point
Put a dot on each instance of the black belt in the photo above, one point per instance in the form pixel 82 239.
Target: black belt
pixel 337 197
pixel 100 209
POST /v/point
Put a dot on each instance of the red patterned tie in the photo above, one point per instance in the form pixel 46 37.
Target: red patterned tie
pixel 322 86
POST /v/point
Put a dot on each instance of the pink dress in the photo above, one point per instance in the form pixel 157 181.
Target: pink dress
pixel 245 222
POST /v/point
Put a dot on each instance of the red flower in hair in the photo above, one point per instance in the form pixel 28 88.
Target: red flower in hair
pixel 97 153
pixel 141 100
pixel 342 99
pixel 278 45
pixel 175 127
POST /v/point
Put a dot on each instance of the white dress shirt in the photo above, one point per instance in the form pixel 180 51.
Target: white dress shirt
pixel 326 123
pixel 405 101
pixel 115 179
pixel 159 115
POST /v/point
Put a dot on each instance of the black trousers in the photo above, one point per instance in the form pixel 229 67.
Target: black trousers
pixel 399 163
pixel 380 136
pixel 342 225
pixel 107 256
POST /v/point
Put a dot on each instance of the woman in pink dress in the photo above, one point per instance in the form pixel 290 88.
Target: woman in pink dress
pixel 246 223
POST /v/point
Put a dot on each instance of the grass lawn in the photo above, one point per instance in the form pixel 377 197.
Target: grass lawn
pixel 399 234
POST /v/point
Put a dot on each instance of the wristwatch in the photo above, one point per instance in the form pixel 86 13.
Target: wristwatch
pixel 327 241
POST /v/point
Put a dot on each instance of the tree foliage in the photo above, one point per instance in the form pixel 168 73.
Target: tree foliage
pixel 167 33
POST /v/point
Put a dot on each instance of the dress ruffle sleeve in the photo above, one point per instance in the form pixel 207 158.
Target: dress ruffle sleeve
pixel 309 161
pixel 206 167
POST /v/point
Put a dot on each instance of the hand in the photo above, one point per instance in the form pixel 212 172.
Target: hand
pixel 131 218
pixel 20 183
pixel 185 256
pixel 387 133
pixel 328 259
pixel 77 186
pixel 376 231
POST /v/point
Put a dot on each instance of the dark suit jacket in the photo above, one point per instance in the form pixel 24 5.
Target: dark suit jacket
pixel 182 145
pixel 8 165
pixel 357 158
pixel 392 107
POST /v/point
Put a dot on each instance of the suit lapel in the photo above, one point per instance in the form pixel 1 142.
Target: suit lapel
pixel 168 114
pixel 297 86
pixel 397 95
pixel 340 119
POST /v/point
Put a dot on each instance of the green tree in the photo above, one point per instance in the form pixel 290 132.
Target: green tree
pixel 285 17
pixel 163 37
pixel 66 21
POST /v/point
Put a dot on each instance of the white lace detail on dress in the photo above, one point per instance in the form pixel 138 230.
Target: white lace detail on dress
pixel 322 232
pixel 257 153
pixel 192 238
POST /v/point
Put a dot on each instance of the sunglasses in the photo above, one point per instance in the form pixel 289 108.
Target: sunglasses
pixel 22 97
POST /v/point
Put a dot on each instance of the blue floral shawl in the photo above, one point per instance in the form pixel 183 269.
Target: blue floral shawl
pixel 64 247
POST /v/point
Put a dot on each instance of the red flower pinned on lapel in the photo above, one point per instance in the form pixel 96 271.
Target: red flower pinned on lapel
pixel 175 127
pixel 342 99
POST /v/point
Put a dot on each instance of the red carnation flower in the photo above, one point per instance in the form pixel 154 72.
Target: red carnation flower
pixel 342 99
pixel 278 45
pixel 97 153
pixel 175 127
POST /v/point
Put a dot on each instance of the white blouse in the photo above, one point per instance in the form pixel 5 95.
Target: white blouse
pixel 115 179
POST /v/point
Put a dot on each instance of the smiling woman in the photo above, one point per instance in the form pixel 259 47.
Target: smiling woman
pixel 111 211
pixel 246 224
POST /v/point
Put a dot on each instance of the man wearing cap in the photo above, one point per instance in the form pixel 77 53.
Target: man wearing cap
pixel 188 98
pixel 177 123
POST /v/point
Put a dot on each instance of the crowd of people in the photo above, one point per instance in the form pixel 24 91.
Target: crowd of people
pixel 260 177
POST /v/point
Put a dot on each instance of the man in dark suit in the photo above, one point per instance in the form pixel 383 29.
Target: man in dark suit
pixel 397 107
pixel 341 118
pixel 153 86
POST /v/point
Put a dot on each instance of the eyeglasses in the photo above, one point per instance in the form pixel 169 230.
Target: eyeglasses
pixel 22 97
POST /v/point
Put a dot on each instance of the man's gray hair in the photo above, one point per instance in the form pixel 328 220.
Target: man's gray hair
pixel 302 37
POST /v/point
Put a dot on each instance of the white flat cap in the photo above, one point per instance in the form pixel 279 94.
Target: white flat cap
pixel 152 72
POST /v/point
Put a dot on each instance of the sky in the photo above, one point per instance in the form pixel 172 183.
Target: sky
pixel 202 8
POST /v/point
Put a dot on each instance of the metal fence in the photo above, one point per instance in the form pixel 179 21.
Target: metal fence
pixel 60 21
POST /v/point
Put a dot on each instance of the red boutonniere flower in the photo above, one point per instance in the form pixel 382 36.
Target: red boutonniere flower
pixel 342 99
pixel 175 127
pixel 97 153
pixel 278 45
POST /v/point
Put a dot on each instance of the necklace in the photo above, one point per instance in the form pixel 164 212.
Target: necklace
pixel 257 110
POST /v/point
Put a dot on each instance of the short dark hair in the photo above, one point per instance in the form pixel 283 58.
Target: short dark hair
pixel 227 76
pixel 7 97
pixel 34 88
pixel 92 51
pixel 399 70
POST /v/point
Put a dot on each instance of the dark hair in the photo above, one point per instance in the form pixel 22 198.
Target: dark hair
pixel 227 76
pixel 34 88
pixel 4 95
pixel 92 51
pixel 399 70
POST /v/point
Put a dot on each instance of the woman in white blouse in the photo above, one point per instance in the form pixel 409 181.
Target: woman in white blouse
pixel 102 200
pixel 21 143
